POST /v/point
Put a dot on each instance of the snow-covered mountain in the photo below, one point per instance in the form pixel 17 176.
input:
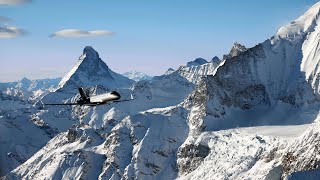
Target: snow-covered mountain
pixel 31 90
pixel 197 122
pixel 195 70
pixel 137 76
pixel 90 70
pixel 19 137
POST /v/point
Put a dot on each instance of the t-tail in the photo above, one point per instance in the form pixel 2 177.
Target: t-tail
pixel 83 95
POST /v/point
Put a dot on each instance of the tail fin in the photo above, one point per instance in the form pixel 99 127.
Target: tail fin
pixel 83 94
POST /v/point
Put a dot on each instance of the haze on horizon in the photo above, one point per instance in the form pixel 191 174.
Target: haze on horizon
pixel 43 39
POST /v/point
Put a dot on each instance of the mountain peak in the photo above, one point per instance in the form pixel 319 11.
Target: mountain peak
pixel 236 49
pixel 215 59
pixel 90 52
pixel 25 80
pixel 197 62
pixel 90 70
pixel 169 71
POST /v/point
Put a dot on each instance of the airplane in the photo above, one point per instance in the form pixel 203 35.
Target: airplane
pixel 85 100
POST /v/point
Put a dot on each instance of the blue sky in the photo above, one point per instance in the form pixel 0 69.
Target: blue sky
pixel 149 36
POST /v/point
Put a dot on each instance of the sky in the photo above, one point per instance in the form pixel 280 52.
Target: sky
pixel 44 38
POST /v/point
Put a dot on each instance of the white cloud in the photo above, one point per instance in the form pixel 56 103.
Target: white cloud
pixel 14 2
pixel 74 33
pixel 11 32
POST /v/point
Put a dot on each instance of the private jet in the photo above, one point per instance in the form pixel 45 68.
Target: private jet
pixel 101 99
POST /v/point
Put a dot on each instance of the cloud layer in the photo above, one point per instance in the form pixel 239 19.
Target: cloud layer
pixel 75 33
pixel 11 32
pixel 14 2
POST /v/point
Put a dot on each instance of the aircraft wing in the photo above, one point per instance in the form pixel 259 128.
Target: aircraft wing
pixel 87 104
pixel 123 100
pixel 66 104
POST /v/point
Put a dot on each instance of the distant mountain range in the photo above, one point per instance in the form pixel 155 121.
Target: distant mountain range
pixel 27 89
pixel 137 76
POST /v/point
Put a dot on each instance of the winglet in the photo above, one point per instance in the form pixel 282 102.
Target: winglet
pixel 42 104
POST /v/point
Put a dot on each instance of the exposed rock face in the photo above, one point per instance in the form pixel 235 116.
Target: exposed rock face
pixel 169 71
pixel 236 50
pixel 72 135
pixel 216 60
pixel 197 62
pixel 193 155
pixel 303 154
pixel 196 103
pixel 221 155
pixel 259 76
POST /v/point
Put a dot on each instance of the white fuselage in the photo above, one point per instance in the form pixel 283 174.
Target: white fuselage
pixel 104 98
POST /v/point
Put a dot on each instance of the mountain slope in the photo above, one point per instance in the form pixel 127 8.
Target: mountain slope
pixel 19 137
pixel 268 80
pixel 75 157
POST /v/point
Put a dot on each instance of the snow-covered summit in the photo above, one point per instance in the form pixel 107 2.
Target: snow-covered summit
pixel 137 76
pixel 197 62
pixel 304 33
pixel 90 70
pixel 303 24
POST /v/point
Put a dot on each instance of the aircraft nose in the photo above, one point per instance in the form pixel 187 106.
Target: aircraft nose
pixel 116 94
